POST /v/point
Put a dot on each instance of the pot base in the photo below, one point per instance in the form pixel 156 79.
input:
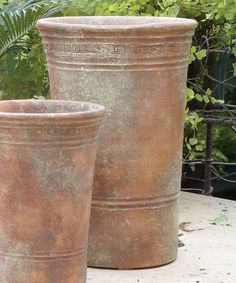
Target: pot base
pixel 134 268
pixel 133 239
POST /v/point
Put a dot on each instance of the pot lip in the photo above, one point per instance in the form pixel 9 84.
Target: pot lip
pixel 97 111
pixel 148 22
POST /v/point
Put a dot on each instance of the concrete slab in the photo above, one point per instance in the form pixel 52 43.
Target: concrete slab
pixel 208 254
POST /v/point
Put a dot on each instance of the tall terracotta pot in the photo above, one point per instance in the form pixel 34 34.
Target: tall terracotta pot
pixel 137 68
pixel 46 172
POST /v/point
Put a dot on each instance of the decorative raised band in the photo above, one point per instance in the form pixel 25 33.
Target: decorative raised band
pixel 154 66
pixel 52 131
pixel 51 145
pixel 135 204
pixel 133 56
pixel 44 257
pixel 49 137
pixel 116 50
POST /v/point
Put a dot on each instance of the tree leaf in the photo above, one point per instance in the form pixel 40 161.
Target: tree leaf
pixel 206 99
pixel 222 220
pixel 234 66
pixel 198 97
pixel 193 141
pixel 190 94
pixel 199 147
pixel 208 92
pixel 150 9
pixel 213 100
pixel 200 54
pixel 191 156
pixel 188 146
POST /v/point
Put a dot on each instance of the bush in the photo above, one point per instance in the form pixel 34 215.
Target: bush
pixel 23 73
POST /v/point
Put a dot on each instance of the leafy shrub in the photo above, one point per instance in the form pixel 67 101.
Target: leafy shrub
pixel 23 73
pixel 225 141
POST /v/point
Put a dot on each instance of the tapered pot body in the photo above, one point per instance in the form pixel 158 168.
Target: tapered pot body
pixel 46 171
pixel 137 68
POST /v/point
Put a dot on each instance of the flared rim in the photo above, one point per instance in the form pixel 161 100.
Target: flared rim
pixel 30 109
pixel 115 23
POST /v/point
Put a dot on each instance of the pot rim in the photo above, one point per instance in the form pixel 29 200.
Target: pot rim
pixel 148 22
pixel 95 111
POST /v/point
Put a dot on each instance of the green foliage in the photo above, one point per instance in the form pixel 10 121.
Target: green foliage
pixel 3 3
pixel 234 66
pixel 225 141
pixel 121 7
pixel 193 143
pixel 78 7
pixel 14 26
pixel 215 17
pixel 222 220
pixel 23 73
pixel 22 59
pixel 167 8
pixel 19 17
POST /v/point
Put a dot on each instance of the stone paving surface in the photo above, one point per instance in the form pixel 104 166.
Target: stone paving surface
pixel 208 254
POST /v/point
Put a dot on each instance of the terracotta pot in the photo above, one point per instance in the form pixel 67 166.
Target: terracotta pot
pixel 46 170
pixel 137 68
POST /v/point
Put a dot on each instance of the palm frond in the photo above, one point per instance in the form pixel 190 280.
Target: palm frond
pixel 17 5
pixel 20 16
pixel 16 24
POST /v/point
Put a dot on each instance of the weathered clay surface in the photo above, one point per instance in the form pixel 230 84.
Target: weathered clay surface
pixel 46 170
pixel 136 67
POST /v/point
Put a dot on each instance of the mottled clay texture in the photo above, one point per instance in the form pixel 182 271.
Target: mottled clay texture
pixel 46 170
pixel 137 68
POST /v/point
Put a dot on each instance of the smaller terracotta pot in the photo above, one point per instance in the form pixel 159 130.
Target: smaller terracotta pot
pixel 46 172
